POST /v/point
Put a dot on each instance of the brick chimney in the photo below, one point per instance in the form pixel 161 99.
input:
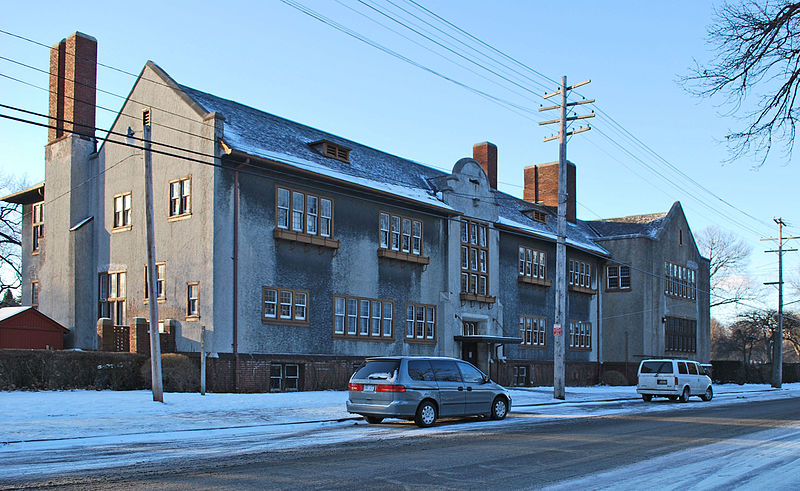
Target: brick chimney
pixel 73 80
pixel 486 155
pixel 541 186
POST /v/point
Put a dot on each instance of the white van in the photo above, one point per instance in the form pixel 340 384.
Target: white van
pixel 673 379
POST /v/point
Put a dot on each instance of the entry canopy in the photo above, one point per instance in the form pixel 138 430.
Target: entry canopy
pixel 488 339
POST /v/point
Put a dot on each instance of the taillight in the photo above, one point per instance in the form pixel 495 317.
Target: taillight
pixel 390 388
pixel 676 381
pixel 355 387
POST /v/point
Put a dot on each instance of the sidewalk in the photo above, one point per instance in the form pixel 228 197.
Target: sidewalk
pixel 66 431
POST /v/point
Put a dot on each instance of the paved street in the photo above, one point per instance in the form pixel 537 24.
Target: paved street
pixel 523 453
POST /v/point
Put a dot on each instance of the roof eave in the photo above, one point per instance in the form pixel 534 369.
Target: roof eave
pixel 510 228
pixel 33 194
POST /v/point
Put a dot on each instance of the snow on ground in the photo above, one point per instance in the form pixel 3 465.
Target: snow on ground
pixel 51 432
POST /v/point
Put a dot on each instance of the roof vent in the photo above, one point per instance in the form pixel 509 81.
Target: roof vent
pixel 332 150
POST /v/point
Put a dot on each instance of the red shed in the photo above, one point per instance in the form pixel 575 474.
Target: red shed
pixel 27 328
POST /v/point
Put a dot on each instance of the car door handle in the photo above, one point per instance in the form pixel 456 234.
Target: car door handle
pixel 461 388
pixel 469 389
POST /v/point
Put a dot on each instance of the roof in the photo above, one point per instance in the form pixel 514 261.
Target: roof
pixel 33 194
pixel 259 134
pixel 634 226
pixel 9 312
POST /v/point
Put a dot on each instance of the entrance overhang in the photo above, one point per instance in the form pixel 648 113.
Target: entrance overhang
pixel 487 339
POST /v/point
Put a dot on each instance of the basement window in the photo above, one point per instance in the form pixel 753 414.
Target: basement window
pixel 332 150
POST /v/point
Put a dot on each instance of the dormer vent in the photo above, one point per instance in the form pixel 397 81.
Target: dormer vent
pixel 332 150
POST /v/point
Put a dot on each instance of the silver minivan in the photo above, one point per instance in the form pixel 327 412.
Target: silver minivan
pixel 424 389
pixel 673 379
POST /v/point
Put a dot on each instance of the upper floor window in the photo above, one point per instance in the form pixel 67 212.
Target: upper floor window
pixel 580 335
pixel 122 211
pixel 580 274
pixel 532 331
pixel 112 296
pixel 474 258
pixel 531 263
pixel 281 305
pixel 161 274
pixel 363 318
pixel 680 281
pixel 38 225
pixel 618 277
pixel 180 197
pixel 193 299
pixel 400 234
pixel 304 213
pixel 420 322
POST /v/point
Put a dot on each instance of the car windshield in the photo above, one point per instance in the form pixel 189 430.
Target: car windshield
pixel 378 370
pixel 656 367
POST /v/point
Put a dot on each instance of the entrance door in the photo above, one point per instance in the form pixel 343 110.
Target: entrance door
pixel 469 352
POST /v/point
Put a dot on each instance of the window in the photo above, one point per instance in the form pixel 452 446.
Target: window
pixel 618 277
pixel 531 263
pixel 112 296
pixel 580 274
pixel 180 197
pixel 284 377
pixel 400 234
pixel 362 318
pixel 520 375
pixel 532 331
pixel 161 273
pixel 474 258
pixel 35 294
pixel 539 216
pixel 193 299
pixel 38 226
pixel 383 239
pixel 580 335
pixel 469 328
pixel 420 322
pixel 122 211
pixel 680 282
pixel 284 306
pixel 303 213
pixel 680 335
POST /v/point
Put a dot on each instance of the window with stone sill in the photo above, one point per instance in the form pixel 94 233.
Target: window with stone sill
pixel 363 318
pixel 474 258
pixel 580 335
pixel 304 213
pixel 284 306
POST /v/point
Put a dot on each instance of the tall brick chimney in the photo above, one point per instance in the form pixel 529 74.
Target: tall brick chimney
pixel 485 153
pixel 73 80
pixel 541 186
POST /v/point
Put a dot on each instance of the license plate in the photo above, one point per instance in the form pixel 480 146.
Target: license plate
pixel 369 388
pixel 662 382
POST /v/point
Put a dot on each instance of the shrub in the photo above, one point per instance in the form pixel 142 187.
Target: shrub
pixel 179 372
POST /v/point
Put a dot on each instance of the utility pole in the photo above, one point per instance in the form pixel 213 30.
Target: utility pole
pixel 561 245
pixel 155 339
pixel 777 337
pixel 203 361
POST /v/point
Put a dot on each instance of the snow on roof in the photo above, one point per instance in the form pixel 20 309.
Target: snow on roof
pixel 6 312
pixel 632 226
pixel 260 134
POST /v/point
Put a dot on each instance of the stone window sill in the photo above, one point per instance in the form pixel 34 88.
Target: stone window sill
pixel 534 281
pixel 582 289
pixel 473 297
pixel 404 256
pixel 306 238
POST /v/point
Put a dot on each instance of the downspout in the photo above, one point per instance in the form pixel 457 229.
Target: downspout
pixel 236 280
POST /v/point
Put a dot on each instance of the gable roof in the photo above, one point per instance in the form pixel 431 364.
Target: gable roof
pixel 648 226
pixel 9 312
pixel 259 134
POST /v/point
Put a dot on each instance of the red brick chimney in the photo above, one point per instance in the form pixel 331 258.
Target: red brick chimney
pixel 73 80
pixel 541 186
pixel 486 155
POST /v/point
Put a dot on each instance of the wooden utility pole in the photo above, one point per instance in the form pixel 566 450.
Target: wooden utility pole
pixel 777 337
pixel 561 320
pixel 203 361
pixel 155 339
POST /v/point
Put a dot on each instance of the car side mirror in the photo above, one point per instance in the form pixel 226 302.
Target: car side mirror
pixel 486 379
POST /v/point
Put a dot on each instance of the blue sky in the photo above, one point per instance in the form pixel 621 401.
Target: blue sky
pixel 271 56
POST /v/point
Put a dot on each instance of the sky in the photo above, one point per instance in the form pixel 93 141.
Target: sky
pixel 653 143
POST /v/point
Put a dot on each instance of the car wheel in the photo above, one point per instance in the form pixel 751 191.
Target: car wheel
pixel 708 395
pixel 499 408
pixel 647 397
pixel 426 414
pixel 373 420
pixel 685 395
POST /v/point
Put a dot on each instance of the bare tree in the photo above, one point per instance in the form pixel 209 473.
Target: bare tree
pixel 791 331
pixel 757 70
pixel 723 346
pixel 728 255
pixel 10 238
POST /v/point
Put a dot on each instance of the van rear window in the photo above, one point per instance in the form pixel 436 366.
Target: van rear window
pixel 656 367
pixel 378 370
